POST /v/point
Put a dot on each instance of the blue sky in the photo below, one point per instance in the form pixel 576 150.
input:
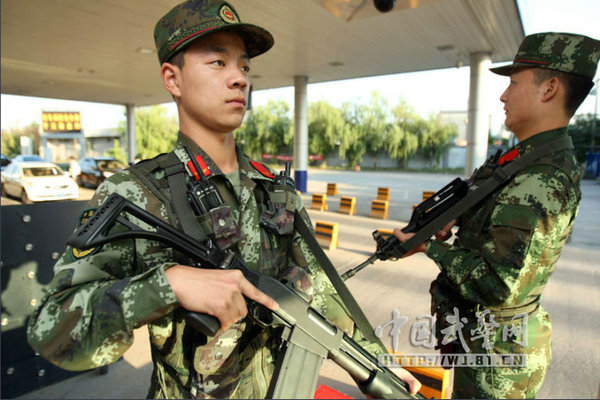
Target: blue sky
pixel 450 93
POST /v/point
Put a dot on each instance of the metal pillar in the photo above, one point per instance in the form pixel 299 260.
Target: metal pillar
pixel 478 125
pixel 131 148
pixel 300 132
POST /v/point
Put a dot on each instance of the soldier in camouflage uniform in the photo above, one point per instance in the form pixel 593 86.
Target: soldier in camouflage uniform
pixel 99 296
pixel 493 275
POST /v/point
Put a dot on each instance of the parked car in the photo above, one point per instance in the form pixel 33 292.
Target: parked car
pixel 4 161
pixel 94 170
pixel 37 181
pixel 30 157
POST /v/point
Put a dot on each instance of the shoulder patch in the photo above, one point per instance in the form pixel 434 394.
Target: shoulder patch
pixel 508 157
pixel 201 164
pixel 77 254
pixel 262 169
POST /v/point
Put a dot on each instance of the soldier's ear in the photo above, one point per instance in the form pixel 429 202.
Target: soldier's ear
pixel 171 78
pixel 550 88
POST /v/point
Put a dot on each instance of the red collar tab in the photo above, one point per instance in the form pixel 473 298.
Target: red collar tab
pixel 508 157
pixel 203 166
pixel 262 169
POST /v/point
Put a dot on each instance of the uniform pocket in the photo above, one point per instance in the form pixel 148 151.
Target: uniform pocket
pixel 511 230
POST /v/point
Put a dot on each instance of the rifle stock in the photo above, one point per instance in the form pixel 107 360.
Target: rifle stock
pixel 308 336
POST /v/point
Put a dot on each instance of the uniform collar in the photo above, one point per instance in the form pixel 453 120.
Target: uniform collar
pixel 531 143
pixel 539 139
pixel 246 167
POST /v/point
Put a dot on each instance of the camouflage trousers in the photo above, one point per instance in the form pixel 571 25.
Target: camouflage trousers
pixel 488 382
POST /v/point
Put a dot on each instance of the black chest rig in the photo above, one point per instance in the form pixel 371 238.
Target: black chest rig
pixel 201 212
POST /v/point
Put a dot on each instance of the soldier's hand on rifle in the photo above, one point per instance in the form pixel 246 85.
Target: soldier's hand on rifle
pixel 443 234
pixel 219 293
pixel 446 232
pixel 413 384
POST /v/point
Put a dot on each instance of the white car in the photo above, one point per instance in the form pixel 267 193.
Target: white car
pixel 38 181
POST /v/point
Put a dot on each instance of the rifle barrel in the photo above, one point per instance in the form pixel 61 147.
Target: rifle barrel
pixel 351 272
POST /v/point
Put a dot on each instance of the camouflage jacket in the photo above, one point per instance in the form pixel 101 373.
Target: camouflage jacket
pixel 507 248
pixel 97 299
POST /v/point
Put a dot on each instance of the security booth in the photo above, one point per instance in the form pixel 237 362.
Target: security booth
pixel 33 236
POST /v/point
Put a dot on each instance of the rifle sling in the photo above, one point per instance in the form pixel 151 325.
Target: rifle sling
pixel 356 313
pixel 175 173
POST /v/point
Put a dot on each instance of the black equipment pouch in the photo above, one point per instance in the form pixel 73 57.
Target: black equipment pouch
pixel 201 209
pixel 277 213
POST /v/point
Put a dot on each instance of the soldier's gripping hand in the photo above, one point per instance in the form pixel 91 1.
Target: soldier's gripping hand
pixel 219 293
pixel 443 234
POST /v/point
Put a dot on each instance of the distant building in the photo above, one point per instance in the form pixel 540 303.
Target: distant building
pixel 63 136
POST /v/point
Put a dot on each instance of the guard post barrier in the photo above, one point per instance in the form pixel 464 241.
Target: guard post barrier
pixel 327 234
pixel 379 209
pixel 319 202
pixel 383 193
pixel 435 381
pixel 332 189
pixel 347 205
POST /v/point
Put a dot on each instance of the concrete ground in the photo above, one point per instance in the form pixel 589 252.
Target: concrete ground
pixel 572 296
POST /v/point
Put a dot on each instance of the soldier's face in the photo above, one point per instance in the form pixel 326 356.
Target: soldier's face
pixel 214 82
pixel 520 99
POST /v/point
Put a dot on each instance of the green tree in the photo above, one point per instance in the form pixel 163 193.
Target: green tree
pixel 267 129
pixel 584 139
pixel 434 137
pixel 402 141
pixel 11 142
pixel 352 144
pixel 375 122
pixel 326 127
pixel 155 131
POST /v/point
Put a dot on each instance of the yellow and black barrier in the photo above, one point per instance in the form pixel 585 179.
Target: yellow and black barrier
pixel 383 193
pixel 347 205
pixel 332 189
pixel 327 234
pixel 435 381
pixel 319 202
pixel 379 209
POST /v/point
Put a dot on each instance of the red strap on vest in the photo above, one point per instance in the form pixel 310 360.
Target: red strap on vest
pixel 262 169
pixel 511 155
pixel 203 166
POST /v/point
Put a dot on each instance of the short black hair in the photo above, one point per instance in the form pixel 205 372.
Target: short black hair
pixel 577 86
pixel 177 58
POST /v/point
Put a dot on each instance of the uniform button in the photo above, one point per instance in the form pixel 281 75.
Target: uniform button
pixel 222 222
pixel 218 355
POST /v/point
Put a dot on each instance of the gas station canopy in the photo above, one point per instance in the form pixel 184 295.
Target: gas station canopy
pixel 103 50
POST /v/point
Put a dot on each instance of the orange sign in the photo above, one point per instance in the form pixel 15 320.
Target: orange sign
pixel 61 121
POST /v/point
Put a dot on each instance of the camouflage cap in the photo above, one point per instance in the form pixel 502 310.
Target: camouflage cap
pixel 566 52
pixel 193 19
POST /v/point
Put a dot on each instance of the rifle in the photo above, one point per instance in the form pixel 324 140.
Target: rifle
pixel 453 200
pixel 427 218
pixel 308 337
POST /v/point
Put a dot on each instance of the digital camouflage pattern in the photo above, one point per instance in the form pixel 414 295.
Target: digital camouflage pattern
pixel 566 52
pixel 193 19
pixel 95 302
pixel 505 252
